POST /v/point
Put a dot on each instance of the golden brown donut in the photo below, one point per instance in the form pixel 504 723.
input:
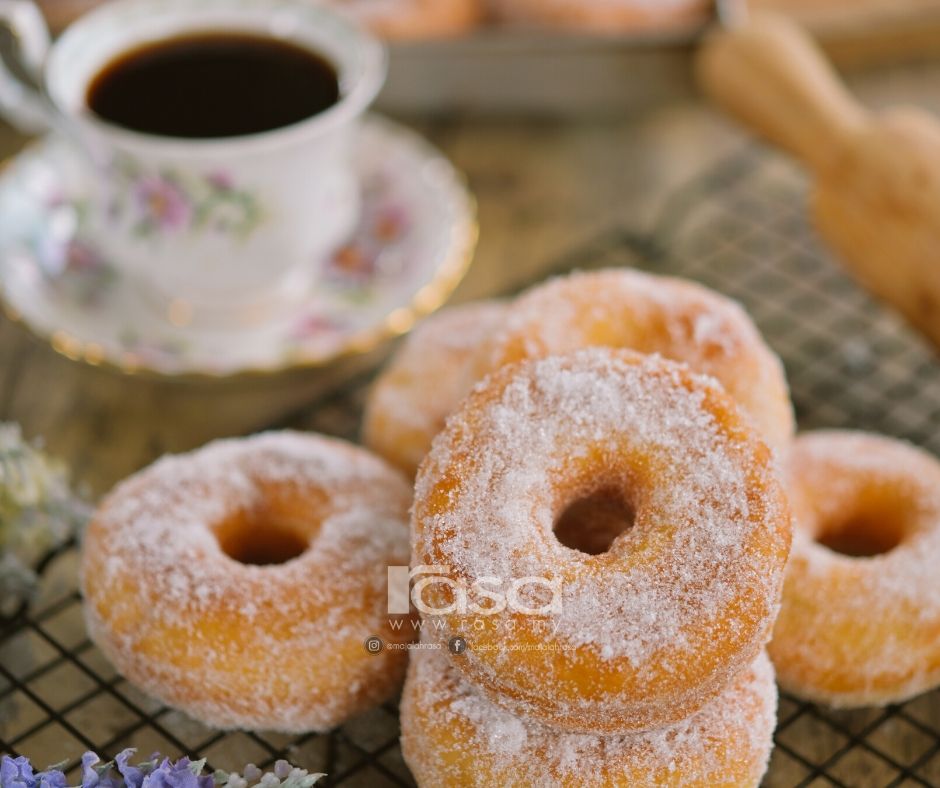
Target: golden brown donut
pixel 240 582
pixel 860 621
pixel 678 319
pixel 638 636
pixel 605 16
pixel 387 18
pixel 452 735
pixel 425 381
pixel 414 19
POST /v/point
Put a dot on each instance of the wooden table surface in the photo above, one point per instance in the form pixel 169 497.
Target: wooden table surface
pixel 543 188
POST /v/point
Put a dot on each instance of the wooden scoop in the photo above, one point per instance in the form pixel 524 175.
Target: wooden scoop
pixel 876 196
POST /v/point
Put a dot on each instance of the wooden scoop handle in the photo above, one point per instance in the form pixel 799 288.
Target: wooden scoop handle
pixel 770 75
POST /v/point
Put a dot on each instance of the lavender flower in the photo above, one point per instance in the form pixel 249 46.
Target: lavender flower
pixel 16 773
pixel 52 778
pixel 96 774
pixel 156 773
pixel 133 775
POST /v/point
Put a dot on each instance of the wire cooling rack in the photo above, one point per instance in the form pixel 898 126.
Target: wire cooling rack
pixel 741 229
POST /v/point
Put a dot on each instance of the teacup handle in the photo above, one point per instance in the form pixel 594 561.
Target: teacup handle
pixel 24 44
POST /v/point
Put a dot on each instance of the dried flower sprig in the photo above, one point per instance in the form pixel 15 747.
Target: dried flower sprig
pixel 155 773
pixel 38 512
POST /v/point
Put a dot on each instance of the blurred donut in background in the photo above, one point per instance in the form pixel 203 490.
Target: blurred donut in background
pixel 413 19
pixel 603 16
pixel 399 19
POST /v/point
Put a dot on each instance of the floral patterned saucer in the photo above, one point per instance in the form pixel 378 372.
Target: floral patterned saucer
pixel 413 244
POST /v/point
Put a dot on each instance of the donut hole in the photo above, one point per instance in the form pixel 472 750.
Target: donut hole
pixel 592 522
pixel 260 541
pixel 863 535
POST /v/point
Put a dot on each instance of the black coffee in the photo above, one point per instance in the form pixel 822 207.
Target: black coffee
pixel 213 85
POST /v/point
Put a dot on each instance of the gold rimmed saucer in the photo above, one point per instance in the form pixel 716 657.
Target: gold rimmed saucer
pixel 414 242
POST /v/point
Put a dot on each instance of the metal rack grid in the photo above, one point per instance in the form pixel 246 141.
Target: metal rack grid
pixel 740 228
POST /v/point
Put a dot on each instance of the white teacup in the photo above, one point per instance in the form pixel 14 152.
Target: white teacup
pixel 224 230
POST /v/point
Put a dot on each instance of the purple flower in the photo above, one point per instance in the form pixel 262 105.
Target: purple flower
pixel 90 776
pixel 182 774
pixel 133 776
pixel 16 773
pixel 163 203
pixel 100 777
pixel 51 778
pixel 156 773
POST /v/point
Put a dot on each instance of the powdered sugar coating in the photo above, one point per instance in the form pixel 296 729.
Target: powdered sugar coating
pixel 453 735
pixel 425 381
pixel 861 631
pixel 238 645
pixel 604 16
pixel 411 19
pixel 678 319
pixel 648 631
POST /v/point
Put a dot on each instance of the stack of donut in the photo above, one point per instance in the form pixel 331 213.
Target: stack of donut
pixel 605 663
pixel 610 479
pixel 607 481
pixel 640 493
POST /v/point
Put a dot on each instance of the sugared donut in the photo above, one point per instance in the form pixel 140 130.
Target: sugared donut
pixel 604 16
pixel 642 634
pixel 425 382
pixel 860 621
pixel 676 318
pixel 414 19
pixel 453 735
pixel 240 582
